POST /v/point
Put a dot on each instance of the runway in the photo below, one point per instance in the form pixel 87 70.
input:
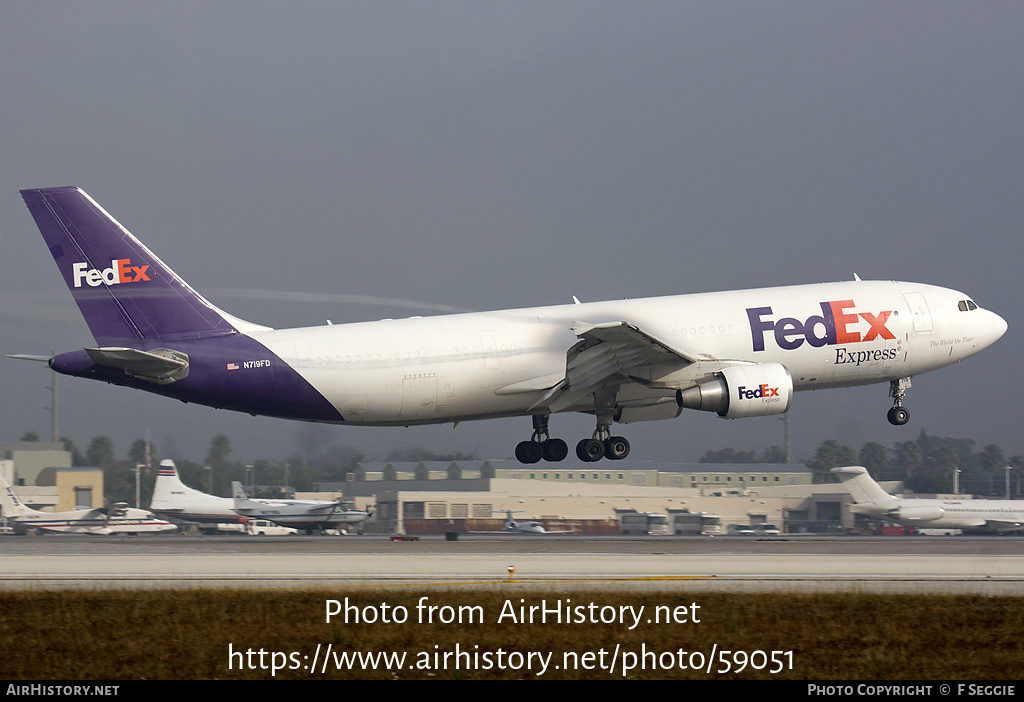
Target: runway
pixel 941 565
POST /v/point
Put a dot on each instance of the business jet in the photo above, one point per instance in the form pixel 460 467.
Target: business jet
pixel 118 518
pixel 172 498
pixel 512 526
pixel 977 515
pixel 738 353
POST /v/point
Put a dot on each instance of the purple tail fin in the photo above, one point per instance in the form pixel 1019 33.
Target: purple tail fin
pixel 125 293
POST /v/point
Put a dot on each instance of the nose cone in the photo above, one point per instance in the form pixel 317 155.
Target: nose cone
pixel 996 328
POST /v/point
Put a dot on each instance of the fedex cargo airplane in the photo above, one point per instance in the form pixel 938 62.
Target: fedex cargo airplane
pixel 739 353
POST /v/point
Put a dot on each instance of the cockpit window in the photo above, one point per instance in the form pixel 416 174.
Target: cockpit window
pixel 967 305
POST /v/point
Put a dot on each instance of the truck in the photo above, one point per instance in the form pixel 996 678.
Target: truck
pixel 696 524
pixel 653 523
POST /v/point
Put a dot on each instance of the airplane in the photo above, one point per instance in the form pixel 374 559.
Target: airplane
pixel 737 353
pixel 172 498
pixel 513 527
pixel 118 518
pixel 298 514
pixel 955 513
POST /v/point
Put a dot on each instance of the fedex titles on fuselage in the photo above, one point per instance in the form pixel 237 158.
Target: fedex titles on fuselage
pixel 835 325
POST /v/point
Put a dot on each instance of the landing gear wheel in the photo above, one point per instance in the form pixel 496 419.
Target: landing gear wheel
pixel 590 450
pixel 616 448
pixel 898 416
pixel 555 450
pixel 529 451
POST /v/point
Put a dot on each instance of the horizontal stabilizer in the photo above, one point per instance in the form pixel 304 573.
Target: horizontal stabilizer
pixel 160 366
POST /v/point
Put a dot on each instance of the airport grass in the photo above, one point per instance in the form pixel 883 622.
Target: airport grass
pixel 179 635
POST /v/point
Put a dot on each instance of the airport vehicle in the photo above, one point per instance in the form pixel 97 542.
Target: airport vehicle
pixel 737 353
pixel 512 526
pixel 118 518
pixel 968 514
pixel 653 523
pixel 741 530
pixel 695 524
pixel 257 527
pixel 172 498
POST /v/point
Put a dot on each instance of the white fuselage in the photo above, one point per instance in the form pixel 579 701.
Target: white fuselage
pixel 984 515
pixel 493 364
pixel 133 521
pixel 943 513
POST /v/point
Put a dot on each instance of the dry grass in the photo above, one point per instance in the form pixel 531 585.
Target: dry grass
pixel 186 635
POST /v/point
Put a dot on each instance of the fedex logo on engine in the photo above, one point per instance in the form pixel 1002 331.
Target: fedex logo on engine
pixel 761 391
pixel 835 325
pixel 120 271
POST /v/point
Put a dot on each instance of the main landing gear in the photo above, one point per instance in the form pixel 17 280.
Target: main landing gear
pixel 541 445
pixel 898 415
pixel 600 445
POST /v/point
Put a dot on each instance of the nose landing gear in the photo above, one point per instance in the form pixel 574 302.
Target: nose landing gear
pixel 898 415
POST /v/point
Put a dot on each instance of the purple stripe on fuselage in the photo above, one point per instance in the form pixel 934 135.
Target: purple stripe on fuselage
pixel 262 384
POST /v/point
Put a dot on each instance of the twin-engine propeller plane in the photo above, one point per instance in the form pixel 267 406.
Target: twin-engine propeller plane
pixel 739 353
pixel 117 518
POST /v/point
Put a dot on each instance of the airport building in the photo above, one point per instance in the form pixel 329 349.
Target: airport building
pixel 42 474
pixel 477 496
pixel 468 496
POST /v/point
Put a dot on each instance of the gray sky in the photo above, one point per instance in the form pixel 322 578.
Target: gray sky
pixel 304 161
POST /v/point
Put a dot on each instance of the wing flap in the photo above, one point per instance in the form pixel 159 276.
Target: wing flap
pixel 609 354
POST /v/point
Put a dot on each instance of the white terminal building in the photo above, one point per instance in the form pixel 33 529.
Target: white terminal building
pixel 440 497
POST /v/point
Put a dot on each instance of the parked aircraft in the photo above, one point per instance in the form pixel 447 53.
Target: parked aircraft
pixel 979 515
pixel 529 527
pixel 118 518
pixel 172 498
pixel 738 353
pixel 298 514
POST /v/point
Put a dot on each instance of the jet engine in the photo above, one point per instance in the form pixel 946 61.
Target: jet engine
pixel 757 390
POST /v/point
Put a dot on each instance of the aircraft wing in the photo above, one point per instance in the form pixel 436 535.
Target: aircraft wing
pixel 118 509
pixel 325 508
pixel 1002 525
pixel 247 507
pixel 608 354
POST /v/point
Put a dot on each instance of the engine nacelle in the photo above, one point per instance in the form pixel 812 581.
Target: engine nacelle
pixel 758 390
pixel 924 513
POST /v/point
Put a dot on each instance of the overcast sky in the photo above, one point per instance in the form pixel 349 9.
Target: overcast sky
pixel 304 161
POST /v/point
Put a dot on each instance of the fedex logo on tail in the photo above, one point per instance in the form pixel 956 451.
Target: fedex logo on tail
pixel 835 325
pixel 120 271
